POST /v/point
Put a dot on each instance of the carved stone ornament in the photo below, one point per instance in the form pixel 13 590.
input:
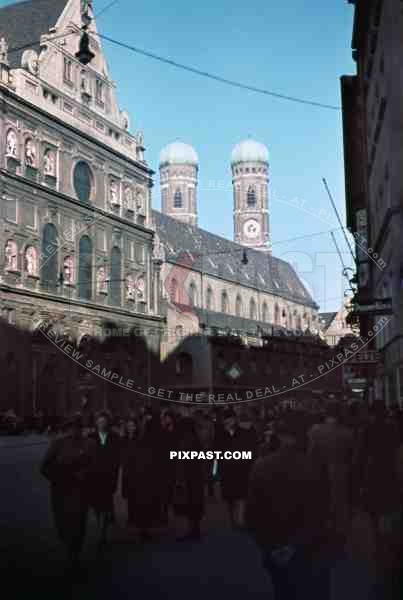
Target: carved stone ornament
pixel 3 52
pixel 30 62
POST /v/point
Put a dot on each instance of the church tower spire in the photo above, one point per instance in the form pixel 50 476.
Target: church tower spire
pixel 250 179
pixel 179 166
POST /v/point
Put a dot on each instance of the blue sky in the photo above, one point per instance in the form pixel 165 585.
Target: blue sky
pixel 298 48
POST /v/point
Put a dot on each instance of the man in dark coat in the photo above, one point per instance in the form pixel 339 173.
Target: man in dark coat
pixel 67 465
pixel 190 476
pixel 235 473
pixel 286 514
pixel 104 476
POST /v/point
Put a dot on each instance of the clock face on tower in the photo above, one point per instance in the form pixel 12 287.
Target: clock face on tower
pixel 251 228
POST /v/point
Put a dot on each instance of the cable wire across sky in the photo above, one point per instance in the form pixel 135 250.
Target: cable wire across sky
pixel 189 69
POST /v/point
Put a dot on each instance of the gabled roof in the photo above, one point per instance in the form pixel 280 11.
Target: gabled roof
pixel 223 258
pixel 326 319
pixel 24 23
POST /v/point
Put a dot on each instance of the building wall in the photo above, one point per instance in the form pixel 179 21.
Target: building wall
pixel 378 49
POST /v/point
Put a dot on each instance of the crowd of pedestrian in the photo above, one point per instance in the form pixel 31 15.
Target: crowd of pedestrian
pixel 311 472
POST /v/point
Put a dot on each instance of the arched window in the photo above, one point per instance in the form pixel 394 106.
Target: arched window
pixel 82 179
pixel 290 320
pixel 224 302
pixel 252 309
pixel 265 313
pixel 251 197
pixel 238 306
pixel 299 322
pixel 115 280
pixel 178 199
pixel 209 299
pixel 85 268
pixel 174 291
pixel 277 315
pixel 193 294
pixel 49 270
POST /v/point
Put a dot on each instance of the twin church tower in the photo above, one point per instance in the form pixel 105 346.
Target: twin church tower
pixel 179 166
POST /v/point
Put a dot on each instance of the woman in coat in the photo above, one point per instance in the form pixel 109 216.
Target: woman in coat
pixel 67 465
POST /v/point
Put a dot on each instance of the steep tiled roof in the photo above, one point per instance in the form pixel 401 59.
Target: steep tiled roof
pixel 25 22
pixel 223 258
pixel 325 320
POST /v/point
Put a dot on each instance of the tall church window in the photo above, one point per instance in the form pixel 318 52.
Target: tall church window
pixel 174 291
pixel 85 268
pixel 49 270
pixel 115 281
pixel 238 306
pixel 193 294
pixel 68 70
pixel 251 197
pixel 224 302
pixel 178 199
pixel 99 91
pixel 209 299
pixel 252 309
pixel 299 322
pixel 265 313
pixel 82 181
pixel 277 315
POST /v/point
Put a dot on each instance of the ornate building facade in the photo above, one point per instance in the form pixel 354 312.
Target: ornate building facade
pixel 76 238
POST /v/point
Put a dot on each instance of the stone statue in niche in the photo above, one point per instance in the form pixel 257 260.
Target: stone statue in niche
pixel 31 261
pixel 139 202
pixel 114 193
pixel 158 249
pixel 3 51
pixel 49 163
pixel 30 153
pixel 68 269
pixel 130 288
pixel 11 253
pixel 11 144
pixel 102 284
pixel 141 286
pixel 129 200
pixel 84 82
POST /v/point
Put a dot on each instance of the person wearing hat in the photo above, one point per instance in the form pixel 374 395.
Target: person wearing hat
pixel 67 465
pixel 104 476
pixel 286 514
